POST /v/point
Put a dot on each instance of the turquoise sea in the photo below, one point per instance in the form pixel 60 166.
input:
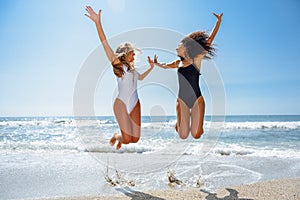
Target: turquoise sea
pixel 280 134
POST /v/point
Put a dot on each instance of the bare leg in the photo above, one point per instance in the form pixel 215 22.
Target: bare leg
pixel 183 119
pixel 178 112
pixel 135 119
pixel 123 119
pixel 198 111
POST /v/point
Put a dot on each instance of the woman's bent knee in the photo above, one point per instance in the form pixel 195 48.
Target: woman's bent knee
pixel 126 138
pixel 197 134
pixel 183 134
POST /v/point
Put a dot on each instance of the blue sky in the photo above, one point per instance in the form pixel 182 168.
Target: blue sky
pixel 44 44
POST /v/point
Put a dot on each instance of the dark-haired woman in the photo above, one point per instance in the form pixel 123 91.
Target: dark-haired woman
pixel 127 105
pixel 190 105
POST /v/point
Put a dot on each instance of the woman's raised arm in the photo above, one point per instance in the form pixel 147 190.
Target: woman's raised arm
pixel 173 64
pixel 215 29
pixel 97 19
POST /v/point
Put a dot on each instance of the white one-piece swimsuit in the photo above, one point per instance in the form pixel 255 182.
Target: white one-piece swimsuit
pixel 127 86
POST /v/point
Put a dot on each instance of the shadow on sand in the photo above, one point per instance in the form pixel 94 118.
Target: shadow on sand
pixel 233 195
pixel 135 195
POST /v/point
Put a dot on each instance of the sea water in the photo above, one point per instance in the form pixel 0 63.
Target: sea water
pixel 50 156
pixel 261 135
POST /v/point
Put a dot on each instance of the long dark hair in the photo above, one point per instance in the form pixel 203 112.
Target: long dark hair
pixel 196 43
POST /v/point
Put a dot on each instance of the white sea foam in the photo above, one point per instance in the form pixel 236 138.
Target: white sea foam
pixel 292 125
pixel 238 150
pixel 67 122
pixel 52 134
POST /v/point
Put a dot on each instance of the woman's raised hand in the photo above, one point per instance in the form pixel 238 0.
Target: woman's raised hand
pixel 219 17
pixel 92 15
pixel 152 62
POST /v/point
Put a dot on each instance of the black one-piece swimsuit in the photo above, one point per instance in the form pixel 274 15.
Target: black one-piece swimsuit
pixel 189 90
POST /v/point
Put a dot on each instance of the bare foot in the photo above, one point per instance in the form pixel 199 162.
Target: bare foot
pixel 113 139
pixel 119 145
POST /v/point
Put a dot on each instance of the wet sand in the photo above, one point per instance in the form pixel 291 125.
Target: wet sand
pixel 283 189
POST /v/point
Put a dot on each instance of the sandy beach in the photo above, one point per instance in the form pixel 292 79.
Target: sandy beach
pixel 285 189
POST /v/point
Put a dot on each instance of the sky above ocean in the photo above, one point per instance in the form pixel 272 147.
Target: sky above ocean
pixel 45 44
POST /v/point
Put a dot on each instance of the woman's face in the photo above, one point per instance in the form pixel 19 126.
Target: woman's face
pixel 130 56
pixel 181 50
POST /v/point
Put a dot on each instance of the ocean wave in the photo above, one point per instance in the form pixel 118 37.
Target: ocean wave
pixel 41 146
pixel 237 150
pixel 293 125
pixel 150 146
pixel 227 152
pixel 65 134
pixel 168 124
pixel 229 125
pixel 124 149
pixel 72 147
pixel 13 124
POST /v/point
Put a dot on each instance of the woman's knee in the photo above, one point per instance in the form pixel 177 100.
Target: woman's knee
pixel 183 134
pixel 197 134
pixel 126 138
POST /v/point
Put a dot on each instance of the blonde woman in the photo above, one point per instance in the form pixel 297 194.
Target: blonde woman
pixel 190 102
pixel 127 107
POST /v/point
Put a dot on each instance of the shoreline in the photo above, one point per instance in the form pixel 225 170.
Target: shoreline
pixel 283 189
pixel 81 176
